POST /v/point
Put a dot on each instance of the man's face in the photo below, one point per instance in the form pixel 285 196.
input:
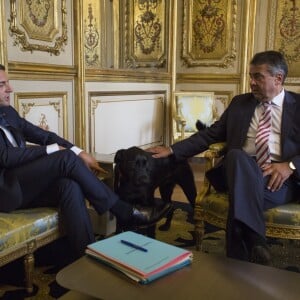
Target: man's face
pixel 5 89
pixel 264 86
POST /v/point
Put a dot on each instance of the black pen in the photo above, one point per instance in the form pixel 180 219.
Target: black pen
pixel 134 245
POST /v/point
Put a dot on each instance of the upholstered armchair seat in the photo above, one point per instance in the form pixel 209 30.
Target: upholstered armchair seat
pixel 21 226
pixel 212 207
pixel 286 218
pixel 24 231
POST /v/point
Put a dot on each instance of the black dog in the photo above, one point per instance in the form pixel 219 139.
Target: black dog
pixel 138 174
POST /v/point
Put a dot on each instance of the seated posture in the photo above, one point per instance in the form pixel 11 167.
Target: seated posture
pixel 262 160
pixel 138 174
pixel 55 173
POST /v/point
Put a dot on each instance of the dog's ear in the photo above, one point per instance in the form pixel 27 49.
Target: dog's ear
pixel 119 156
pixel 117 173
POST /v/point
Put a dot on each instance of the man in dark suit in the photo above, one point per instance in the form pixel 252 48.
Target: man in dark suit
pixel 253 187
pixel 56 173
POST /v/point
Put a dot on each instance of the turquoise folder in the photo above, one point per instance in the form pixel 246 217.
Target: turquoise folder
pixel 157 260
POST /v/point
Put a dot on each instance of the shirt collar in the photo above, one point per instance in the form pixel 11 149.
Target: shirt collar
pixel 278 100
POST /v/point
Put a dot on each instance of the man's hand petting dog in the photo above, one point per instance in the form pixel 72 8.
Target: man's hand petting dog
pixel 160 151
pixel 138 175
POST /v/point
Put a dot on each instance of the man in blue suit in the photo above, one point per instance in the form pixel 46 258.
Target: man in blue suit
pixel 253 188
pixel 56 173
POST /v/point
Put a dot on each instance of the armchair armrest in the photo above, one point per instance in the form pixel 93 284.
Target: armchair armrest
pixel 180 123
pixel 214 152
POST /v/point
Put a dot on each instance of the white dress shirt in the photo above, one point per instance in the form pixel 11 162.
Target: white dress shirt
pixel 275 137
pixel 50 148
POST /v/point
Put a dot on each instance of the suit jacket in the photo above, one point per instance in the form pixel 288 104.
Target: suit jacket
pixel 12 157
pixel 233 126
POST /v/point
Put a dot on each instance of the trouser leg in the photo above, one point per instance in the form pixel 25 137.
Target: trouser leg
pixel 73 214
pixel 245 190
pixel 36 176
pixel 248 198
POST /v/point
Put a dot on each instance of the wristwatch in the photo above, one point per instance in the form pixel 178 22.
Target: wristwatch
pixel 292 166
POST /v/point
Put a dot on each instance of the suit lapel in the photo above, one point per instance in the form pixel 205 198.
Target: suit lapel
pixel 247 116
pixel 18 136
pixel 288 115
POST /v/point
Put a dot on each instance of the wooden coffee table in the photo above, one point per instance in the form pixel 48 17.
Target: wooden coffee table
pixel 209 277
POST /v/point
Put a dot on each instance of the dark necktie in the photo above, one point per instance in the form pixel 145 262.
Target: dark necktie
pixel 3 122
pixel 262 136
pixel 16 134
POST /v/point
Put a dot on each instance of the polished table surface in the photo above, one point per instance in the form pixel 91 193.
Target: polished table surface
pixel 208 277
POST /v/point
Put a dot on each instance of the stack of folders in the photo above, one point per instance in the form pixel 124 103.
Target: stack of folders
pixel 141 258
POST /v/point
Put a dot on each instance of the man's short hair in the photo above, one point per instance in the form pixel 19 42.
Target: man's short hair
pixel 275 61
pixel 2 67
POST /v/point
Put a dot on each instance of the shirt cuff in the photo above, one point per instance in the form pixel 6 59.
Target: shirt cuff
pixel 76 150
pixel 52 148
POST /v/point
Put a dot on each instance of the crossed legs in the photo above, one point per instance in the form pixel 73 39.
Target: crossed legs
pixel 61 179
pixel 248 198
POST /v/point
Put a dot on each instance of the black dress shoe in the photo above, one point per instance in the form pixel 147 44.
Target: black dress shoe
pixel 260 255
pixel 148 215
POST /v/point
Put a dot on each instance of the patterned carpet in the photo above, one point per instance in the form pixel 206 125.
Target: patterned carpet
pixel 285 253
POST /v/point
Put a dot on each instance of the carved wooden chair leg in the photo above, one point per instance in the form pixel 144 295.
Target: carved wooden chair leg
pixel 199 233
pixel 29 269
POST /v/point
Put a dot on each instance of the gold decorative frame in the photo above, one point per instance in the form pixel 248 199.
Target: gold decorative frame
pixel 39 19
pixel 284 32
pixel 146 32
pixel 3 33
pixel 97 100
pixel 94 37
pixel 209 31
pixel 36 108
pixel 221 101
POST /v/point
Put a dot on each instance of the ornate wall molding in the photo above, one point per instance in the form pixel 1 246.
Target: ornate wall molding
pixel 92 34
pixel 40 22
pixel 143 124
pixel 3 46
pixel 146 31
pixel 284 32
pixel 209 33
pixel 47 110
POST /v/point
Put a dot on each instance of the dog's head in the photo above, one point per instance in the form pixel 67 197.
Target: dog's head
pixel 134 165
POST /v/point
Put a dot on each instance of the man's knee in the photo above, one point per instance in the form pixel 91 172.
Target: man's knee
pixel 69 192
pixel 239 157
pixel 235 154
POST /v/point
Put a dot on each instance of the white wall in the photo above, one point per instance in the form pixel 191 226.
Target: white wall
pixel 122 115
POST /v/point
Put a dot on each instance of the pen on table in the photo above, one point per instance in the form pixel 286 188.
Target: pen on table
pixel 134 246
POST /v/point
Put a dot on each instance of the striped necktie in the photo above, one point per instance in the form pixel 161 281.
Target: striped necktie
pixel 262 136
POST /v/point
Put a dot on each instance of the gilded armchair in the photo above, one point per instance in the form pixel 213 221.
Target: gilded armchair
pixel 211 207
pixel 190 107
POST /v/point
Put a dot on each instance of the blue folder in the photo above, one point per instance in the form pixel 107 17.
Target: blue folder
pixel 157 258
